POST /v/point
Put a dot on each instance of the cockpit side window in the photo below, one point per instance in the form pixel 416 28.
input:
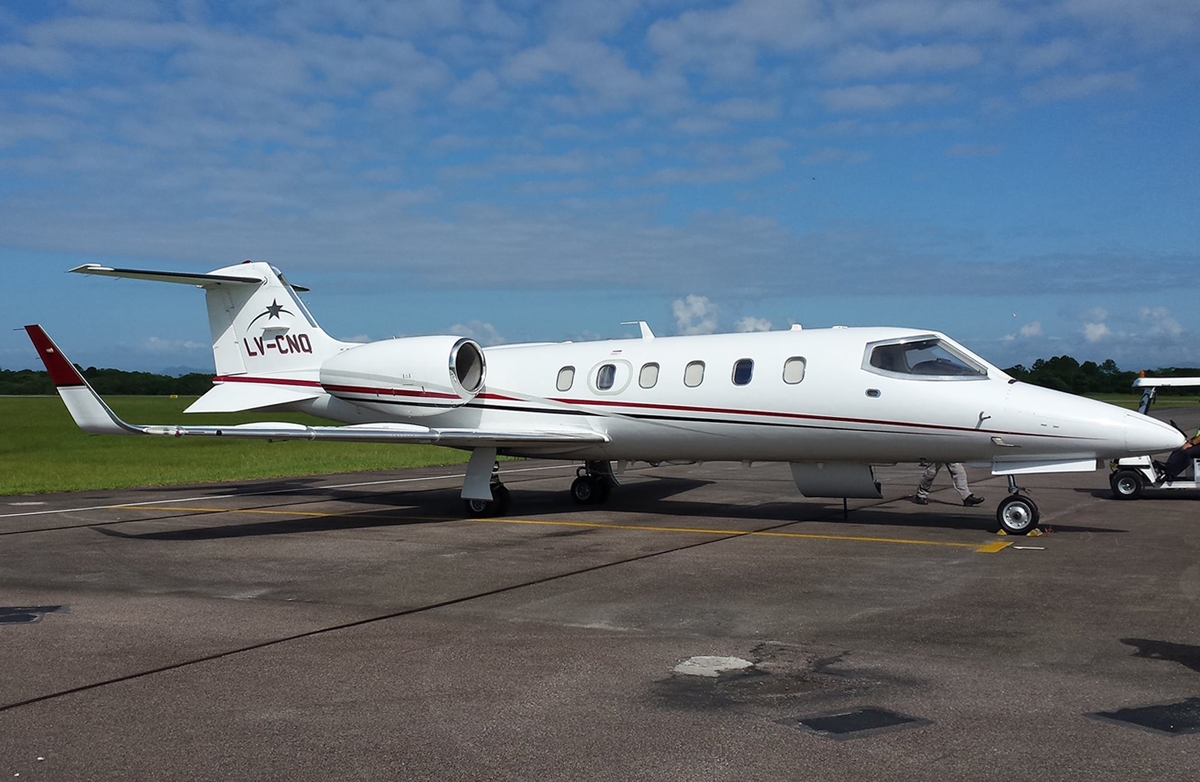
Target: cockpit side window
pixel 928 358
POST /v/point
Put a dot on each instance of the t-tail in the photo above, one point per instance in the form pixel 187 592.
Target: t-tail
pixel 267 347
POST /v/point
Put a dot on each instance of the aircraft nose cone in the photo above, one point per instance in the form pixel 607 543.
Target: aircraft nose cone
pixel 1145 435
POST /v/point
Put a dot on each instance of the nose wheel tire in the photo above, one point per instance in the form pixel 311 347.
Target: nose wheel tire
pixel 1017 515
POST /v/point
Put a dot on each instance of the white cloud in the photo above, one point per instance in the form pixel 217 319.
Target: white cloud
pixel 1049 55
pixel 479 89
pixel 1029 331
pixel 751 323
pixel 881 97
pixel 1095 332
pixel 483 333
pixel 1071 87
pixel 865 62
pixel 1161 322
pixel 694 315
pixel 159 345
pixel 1148 21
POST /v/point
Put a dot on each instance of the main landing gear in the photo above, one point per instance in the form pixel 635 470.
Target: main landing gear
pixel 497 505
pixel 593 483
pixel 1017 513
pixel 485 496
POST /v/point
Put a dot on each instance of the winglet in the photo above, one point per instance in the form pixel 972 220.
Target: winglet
pixel 90 412
pixel 62 372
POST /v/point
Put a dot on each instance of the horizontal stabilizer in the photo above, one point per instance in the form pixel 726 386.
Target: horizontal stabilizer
pixel 156 276
pixel 235 397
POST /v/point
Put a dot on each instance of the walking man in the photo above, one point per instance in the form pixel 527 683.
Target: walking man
pixel 958 474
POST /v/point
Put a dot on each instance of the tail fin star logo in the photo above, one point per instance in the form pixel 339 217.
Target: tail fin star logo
pixel 272 312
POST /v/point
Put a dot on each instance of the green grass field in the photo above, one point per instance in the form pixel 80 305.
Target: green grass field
pixel 41 450
pixel 1131 401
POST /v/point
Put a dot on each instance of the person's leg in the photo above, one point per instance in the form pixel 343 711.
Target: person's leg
pixel 958 474
pixel 931 471
pixel 1176 463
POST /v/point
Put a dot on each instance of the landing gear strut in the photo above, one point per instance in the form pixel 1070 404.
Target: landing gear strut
pixel 1017 514
pixel 593 483
pixel 483 493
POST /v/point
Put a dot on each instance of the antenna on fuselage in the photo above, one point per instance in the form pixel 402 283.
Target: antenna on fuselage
pixel 641 324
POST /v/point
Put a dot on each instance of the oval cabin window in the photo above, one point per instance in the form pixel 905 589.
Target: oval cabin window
pixel 566 378
pixel 606 376
pixel 793 370
pixel 648 376
pixel 693 375
pixel 743 370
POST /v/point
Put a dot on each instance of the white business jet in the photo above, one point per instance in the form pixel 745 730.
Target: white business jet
pixel 831 402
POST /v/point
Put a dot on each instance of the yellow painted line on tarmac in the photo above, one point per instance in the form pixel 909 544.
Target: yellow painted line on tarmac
pixel 988 548
pixel 263 511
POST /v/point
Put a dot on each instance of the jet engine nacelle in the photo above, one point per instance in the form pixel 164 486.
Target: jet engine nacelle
pixel 411 376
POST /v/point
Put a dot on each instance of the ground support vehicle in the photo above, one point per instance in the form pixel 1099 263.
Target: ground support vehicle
pixel 1134 475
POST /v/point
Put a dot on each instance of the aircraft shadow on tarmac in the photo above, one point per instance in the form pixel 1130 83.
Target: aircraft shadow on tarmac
pixel 1184 654
pixel 658 496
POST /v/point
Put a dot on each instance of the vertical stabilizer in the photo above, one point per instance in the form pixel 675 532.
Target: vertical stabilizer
pixel 259 325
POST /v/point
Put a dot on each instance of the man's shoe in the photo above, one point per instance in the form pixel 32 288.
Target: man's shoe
pixel 971 501
pixel 921 500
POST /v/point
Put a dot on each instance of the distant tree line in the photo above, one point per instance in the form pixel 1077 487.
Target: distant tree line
pixel 1061 373
pixel 26 382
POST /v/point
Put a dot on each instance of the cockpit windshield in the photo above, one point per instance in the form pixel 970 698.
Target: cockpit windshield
pixel 930 358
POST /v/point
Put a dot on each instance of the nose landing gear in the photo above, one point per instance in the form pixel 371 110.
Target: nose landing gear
pixel 1017 514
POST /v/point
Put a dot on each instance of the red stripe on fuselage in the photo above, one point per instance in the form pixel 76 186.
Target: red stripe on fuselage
pixel 270 381
pixel 639 407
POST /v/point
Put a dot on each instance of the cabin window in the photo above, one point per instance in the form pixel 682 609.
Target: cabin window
pixel 566 378
pixel 743 370
pixel 648 376
pixel 793 370
pixel 606 376
pixel 926 358
pixel 693 374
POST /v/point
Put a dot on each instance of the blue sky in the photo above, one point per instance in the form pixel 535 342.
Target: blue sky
pixel 1021 174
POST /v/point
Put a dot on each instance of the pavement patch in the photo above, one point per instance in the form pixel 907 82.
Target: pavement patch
pixel 711 667
pixel 1171 719
pixel 868 720
pixel 23 615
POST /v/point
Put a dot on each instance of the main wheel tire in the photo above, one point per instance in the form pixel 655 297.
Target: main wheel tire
pixel 480 509
pixel 1127 484
pixel 496 506
pixel 1017 515
pixel 585 490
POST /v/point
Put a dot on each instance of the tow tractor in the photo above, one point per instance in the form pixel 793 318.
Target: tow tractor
pixel 1133 475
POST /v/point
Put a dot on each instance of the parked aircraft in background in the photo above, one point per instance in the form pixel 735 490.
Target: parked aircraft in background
pixel 831 402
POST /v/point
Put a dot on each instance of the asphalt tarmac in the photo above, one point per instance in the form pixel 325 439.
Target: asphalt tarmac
pixel 360 627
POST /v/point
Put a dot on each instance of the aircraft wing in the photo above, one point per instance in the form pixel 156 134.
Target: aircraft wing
pixel 94 416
